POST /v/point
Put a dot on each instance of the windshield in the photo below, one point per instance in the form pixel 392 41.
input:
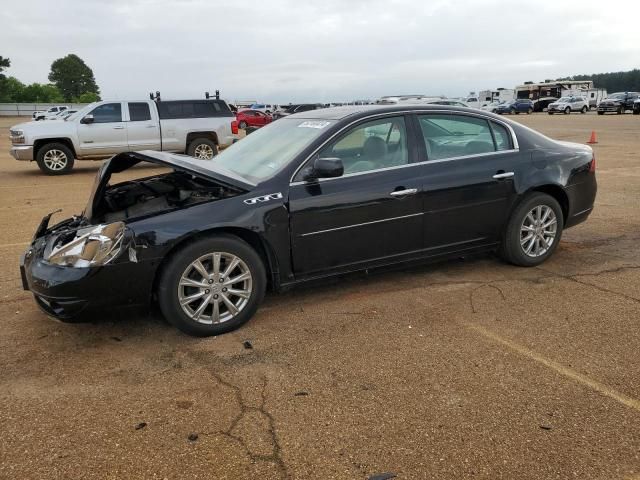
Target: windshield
pixel 565 99
pixel 616 96
pixel 265 152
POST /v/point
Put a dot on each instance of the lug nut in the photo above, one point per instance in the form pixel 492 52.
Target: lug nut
pixel 206 291
pixel 210 281
pixel 215 296
pixel 221 279
pixel 224 289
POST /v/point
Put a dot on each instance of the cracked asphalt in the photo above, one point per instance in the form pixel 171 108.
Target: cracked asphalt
pixel 466 369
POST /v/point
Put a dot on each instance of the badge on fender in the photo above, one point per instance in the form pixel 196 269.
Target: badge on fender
pixel 263 198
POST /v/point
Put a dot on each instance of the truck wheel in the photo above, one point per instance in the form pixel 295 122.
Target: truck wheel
pixel 243 125
pixel 55 159
pixel 203 149
pixel 212 286
pixel 533 231
pixel 567 110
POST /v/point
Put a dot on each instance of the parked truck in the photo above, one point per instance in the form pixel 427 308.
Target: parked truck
pixel 103 129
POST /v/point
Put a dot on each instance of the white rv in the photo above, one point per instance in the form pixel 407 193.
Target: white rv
pixel 498 95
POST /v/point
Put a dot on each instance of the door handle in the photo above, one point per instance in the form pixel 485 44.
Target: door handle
pixel 150 126
pixel 501 175
pixel 402 193
pixel 119 127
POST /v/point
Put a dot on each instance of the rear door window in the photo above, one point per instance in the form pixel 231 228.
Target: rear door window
pixel 139 112
pixel 449 136
pixel 501 136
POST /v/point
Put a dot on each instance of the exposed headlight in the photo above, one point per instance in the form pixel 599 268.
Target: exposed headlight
pixel 16 136
pixel 88 247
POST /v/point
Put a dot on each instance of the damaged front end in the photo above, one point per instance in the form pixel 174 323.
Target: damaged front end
pixel 92 259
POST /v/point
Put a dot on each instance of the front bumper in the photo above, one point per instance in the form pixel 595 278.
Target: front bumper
pixel 70 292
pixel 22 152
pixel 556 109
pixel 608 108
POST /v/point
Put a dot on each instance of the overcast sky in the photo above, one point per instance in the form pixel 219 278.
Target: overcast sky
pixel 304 50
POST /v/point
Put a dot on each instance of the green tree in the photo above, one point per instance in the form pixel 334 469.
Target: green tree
pixel 11 90
pixel 88 97
pixel 42 93
pixel 72 77
pixel 4 63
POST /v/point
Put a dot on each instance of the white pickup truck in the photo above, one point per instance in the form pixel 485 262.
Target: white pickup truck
pixel 50 113
pixel 102 129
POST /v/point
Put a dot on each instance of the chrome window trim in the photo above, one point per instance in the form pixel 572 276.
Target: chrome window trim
pixel 308 234
pixel 514 139
pixel 425 162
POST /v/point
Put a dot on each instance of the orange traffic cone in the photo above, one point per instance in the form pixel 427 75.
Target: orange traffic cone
pixel 592 140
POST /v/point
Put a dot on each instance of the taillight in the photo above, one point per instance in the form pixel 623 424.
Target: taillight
pixel 234 127
pixel 592 165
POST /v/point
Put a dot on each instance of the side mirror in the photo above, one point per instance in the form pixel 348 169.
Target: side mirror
pixel 325 167
pixel 87 119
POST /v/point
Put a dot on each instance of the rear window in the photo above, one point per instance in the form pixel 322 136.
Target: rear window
pixel 193 109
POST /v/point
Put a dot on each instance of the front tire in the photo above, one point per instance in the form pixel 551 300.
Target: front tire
pixel 55 159
pixel 202 149
pixel 567 110
pixel 529 111
pixel 600 113
pixel 620 110
pixel 534 230
pixel 212 286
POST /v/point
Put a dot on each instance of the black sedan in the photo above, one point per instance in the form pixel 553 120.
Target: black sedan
pixel 316 194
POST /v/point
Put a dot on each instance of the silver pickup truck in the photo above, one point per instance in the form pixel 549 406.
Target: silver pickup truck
pixel 103 129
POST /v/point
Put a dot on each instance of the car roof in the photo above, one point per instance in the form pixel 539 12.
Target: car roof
pixel 339 113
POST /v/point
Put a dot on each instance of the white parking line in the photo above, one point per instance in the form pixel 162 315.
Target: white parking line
pixel 559 368
pixel 21 244
pixel 43 185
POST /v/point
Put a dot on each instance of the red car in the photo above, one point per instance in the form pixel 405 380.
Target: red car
pixel 252 118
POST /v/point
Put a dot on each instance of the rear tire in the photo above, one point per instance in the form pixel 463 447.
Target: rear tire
pixel 55 159
pixel 172 291
pixel 620 110
pixel 529 111
pixel 516 238
pixel 202 149
pixel 243 125
pixel 584 109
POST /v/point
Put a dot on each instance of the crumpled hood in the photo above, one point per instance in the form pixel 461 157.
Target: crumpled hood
pixel 200 168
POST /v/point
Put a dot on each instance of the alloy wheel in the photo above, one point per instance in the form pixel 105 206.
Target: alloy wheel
pixel 215 288
pixel 203 152
pixel 538 231
pixel 55 160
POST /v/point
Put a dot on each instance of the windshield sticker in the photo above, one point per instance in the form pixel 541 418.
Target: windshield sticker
pixel 313 124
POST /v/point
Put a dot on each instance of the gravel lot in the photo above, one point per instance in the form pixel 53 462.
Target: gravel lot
pixel 467 369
